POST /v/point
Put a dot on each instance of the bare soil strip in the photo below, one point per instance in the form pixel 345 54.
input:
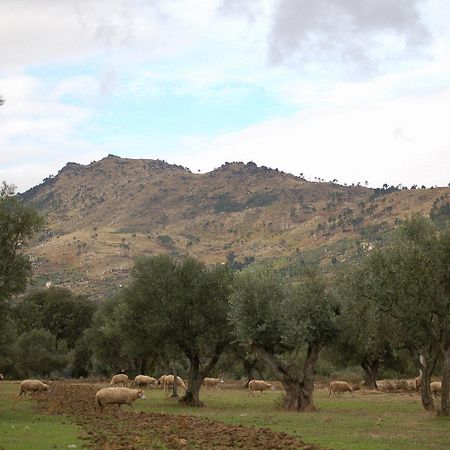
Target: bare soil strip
pixel 116 428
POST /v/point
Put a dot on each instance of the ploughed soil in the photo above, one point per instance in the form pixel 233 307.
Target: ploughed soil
pixel 123 428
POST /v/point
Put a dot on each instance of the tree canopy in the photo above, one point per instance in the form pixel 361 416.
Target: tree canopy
pixel 182 304
pixel 410 281
pixel 18 222
pixel 277 321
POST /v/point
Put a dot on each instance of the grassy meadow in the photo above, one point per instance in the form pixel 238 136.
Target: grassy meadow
pixel 24 427
pixel 365 421
pixel 362 421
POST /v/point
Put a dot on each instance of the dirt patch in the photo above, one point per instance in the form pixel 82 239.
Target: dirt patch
pixel 116 428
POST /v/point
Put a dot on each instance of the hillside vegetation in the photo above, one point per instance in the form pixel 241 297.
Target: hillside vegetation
pixel 100 216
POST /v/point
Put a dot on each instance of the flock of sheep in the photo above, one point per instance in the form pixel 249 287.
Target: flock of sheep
pixel 388 386
pixel 119 394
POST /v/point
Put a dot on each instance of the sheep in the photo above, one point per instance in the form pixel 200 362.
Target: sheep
pixel 32 386
pixel 1 376
pixel 258 385
pixel 167 381
pixel 436 388
pixel 117 396
pixel 144 380
pixel 120 378
pixel 387 385
pixel 160 382
pixel 339 386
pixel 212 382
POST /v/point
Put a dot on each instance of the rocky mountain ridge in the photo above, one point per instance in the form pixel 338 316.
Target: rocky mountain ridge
pixel 102 215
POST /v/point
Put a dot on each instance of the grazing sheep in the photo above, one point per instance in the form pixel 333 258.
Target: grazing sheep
pixel 160 382
pixel 258 385
pixel 387 385
pixel 117 396
pixel 120 378
pixel 167 382
pixel 212 382
pixel 436 388
pixel 144 381
pixel 32 386
pixel 339 386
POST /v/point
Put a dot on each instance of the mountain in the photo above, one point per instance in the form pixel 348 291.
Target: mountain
pixel 102 215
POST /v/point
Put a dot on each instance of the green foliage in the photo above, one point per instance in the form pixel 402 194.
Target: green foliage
pixel 57 310
pixel 366 333
pixel 179 302
pixel 258 308
pixel 409 280
pixel 105 338
pixel 37 354
pixel 18 222
pixel 81 358
pixel 280 320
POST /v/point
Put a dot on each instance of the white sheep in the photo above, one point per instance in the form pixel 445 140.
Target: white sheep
pixel 436 388
pixel 339 386
pixel 32 386
pixel 117 396
pixel 1 376
pixel 213 382
pixel 258 385
pixel 167 382
pixel 144 381
pixel 120 378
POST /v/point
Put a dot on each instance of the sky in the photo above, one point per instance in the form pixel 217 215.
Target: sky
pixel 347 90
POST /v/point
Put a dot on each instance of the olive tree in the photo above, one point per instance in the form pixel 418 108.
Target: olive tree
pixel 366 333
pixel 65 314
pixel 410 281
pixel 18 222
pixel 182 304
pixel 277 321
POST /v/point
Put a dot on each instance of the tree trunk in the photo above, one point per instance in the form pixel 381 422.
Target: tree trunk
pixel 195 379
pixel 309 370
pixel 370 373
pixel 299 394
pixel 248 367
pixel 445 384
pixel 425 369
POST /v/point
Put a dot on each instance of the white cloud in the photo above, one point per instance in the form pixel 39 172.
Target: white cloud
pixel 369 79
pixel 387 142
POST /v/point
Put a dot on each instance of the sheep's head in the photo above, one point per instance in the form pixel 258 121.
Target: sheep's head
pixel 140 394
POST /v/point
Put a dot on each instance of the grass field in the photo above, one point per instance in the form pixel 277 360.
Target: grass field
pixel 23 427
pixel 364 421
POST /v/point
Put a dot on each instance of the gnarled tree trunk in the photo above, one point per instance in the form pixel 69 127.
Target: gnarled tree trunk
pixel 196 375
pixel 298 387
pixel 426 368
pixel 195 379
pixel 370 372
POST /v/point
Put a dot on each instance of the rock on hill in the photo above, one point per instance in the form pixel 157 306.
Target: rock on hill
pixel 101 216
